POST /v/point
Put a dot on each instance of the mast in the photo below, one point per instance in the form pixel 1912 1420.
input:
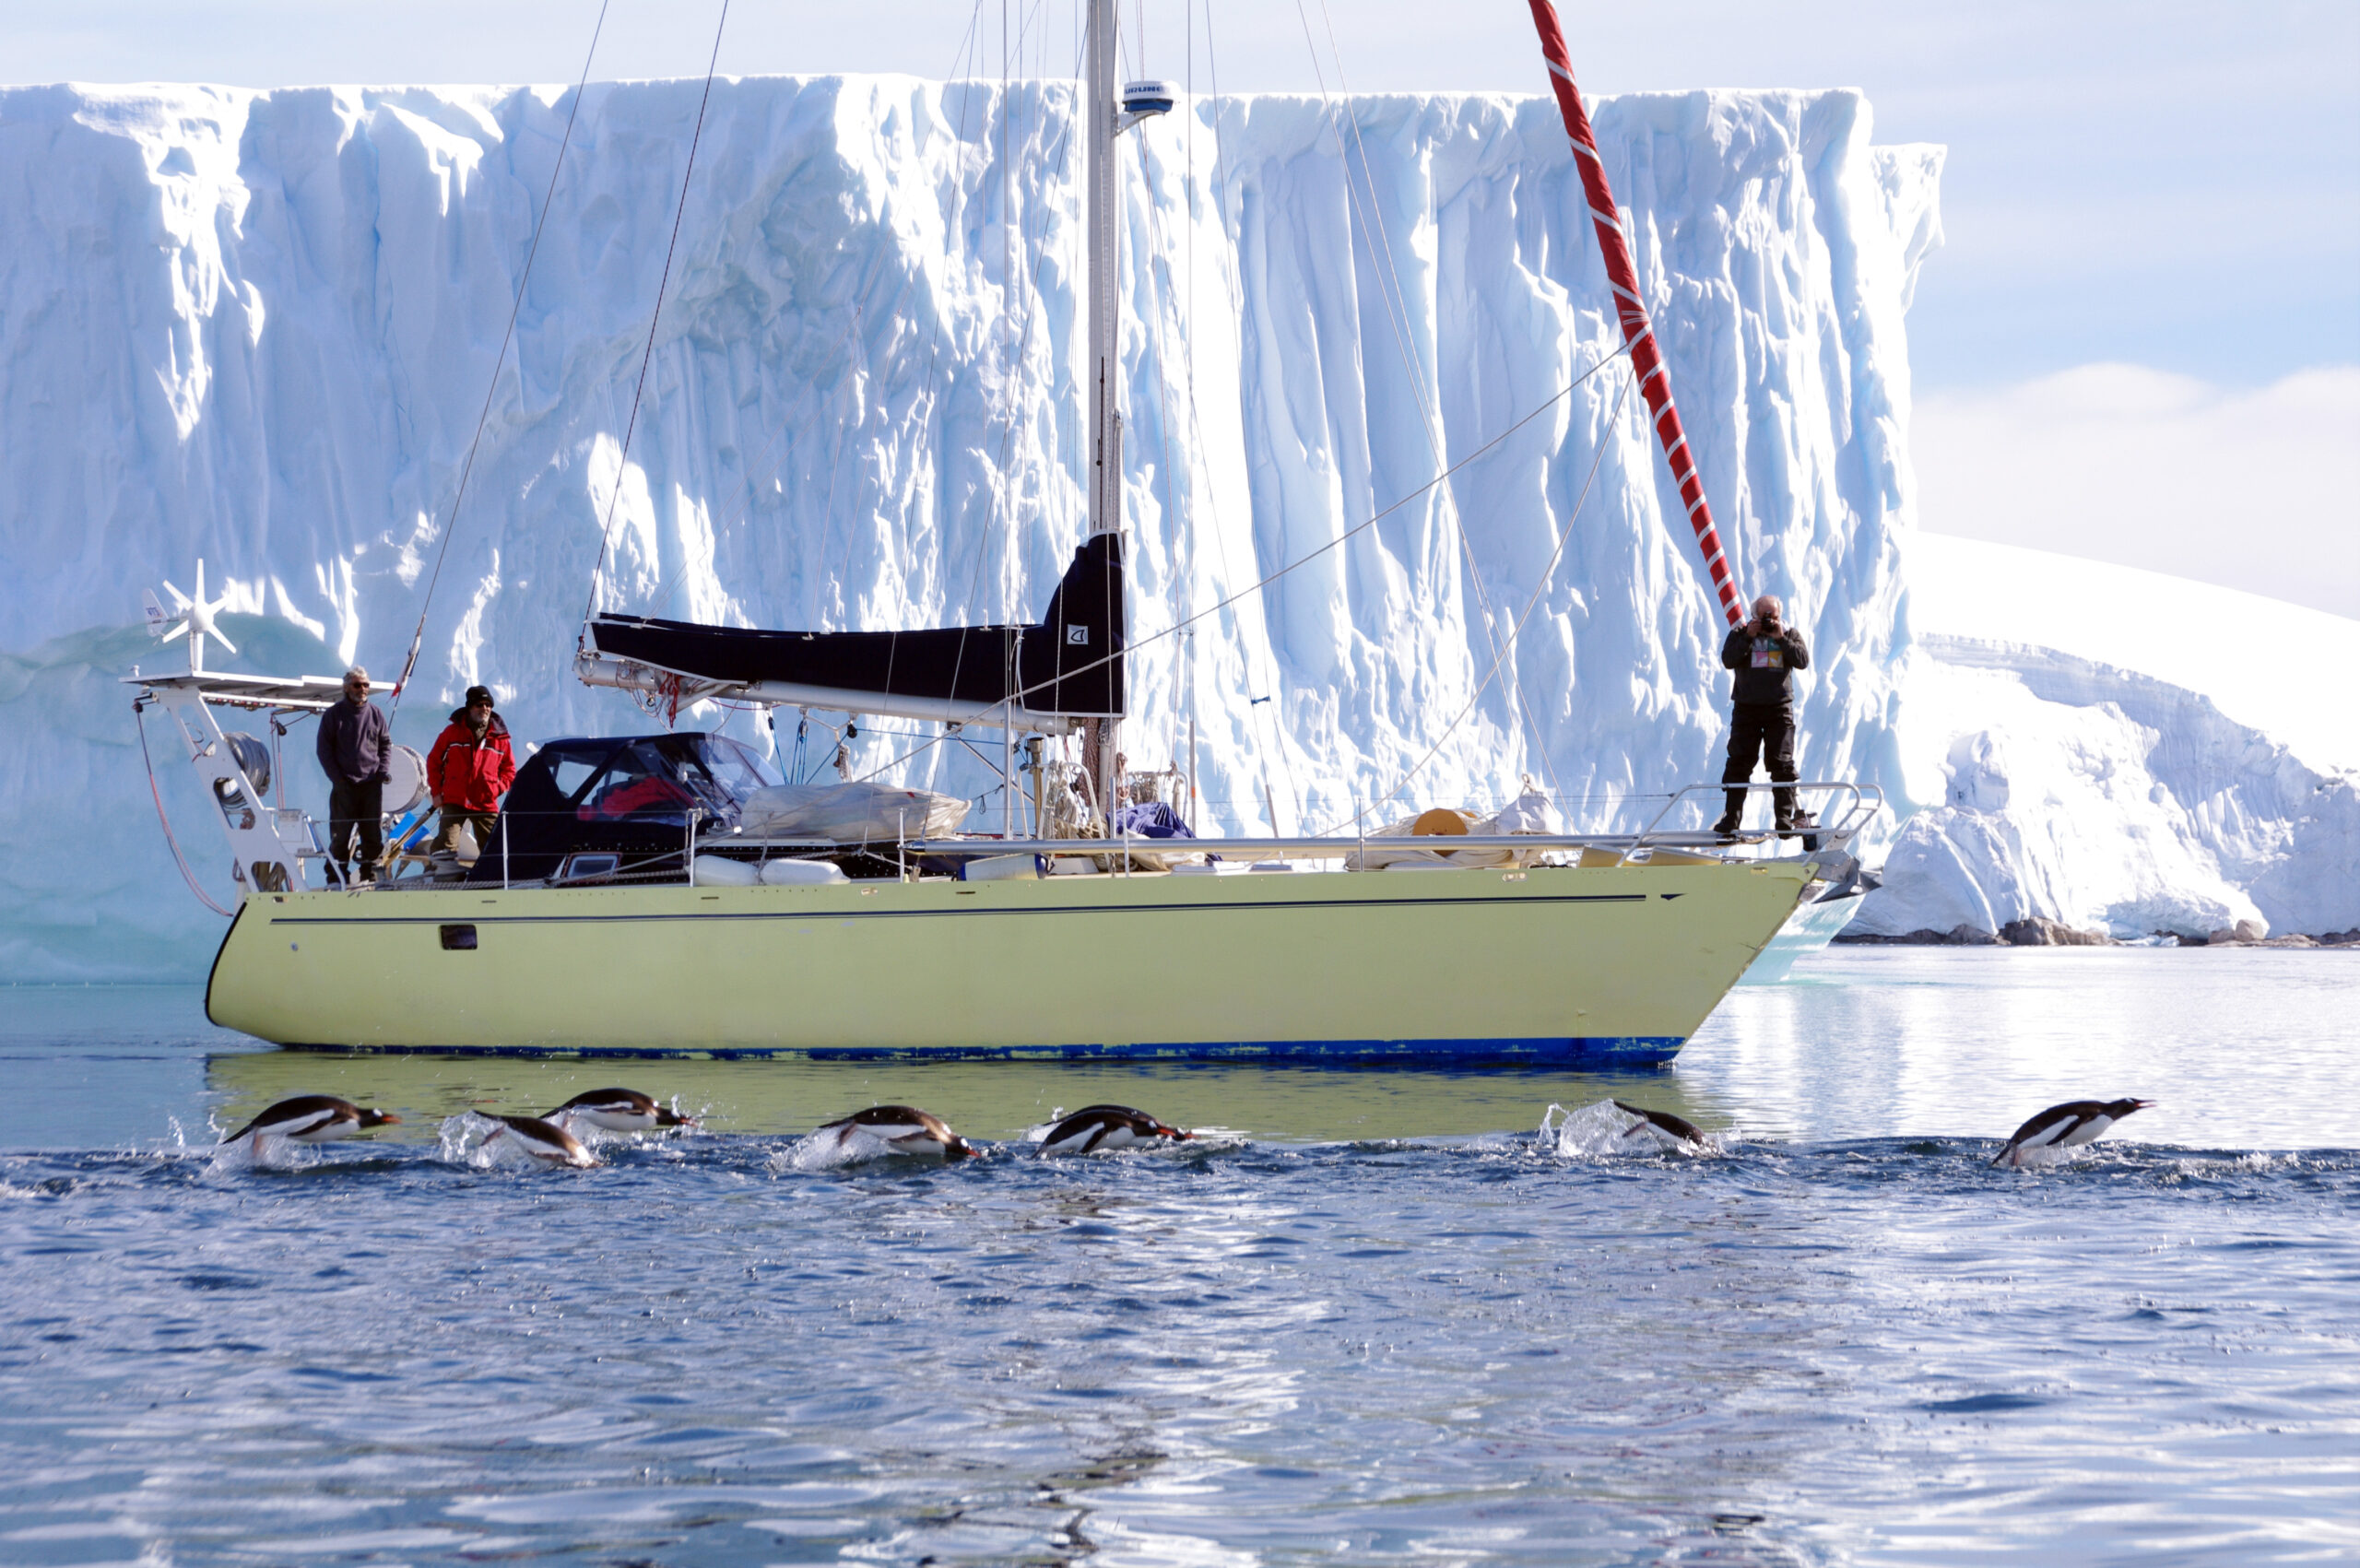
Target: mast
pixel 1646 358
pixel 1102 270
pixel 1108 116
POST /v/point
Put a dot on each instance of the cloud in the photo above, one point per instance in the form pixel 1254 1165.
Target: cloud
pixel 2257 489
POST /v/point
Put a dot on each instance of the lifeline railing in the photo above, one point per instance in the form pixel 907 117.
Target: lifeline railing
pixel 1858 805
pixel 1861 804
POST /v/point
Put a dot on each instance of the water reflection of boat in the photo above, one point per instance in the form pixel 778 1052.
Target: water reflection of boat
pixel 598 935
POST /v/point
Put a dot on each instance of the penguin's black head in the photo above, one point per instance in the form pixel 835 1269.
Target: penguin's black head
pixel 378 1119
pixel 2120 1108
pixel 959 1148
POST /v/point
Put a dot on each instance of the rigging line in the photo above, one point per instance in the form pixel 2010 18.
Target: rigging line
pixel 1370 522
pixel 1606 438
pixel 1003 510
pixel 622 460
pixel 742 506
pixel 541 227
pixel 1183 663
pixel 1388 283
pixel 970 50
pixel 1305 559
pixel 973 49
pixel 1167 308
pixel 1364 526
pixel 1396 304
pixel 1196 419
pixel 1397 313
pixel 1236 288
pixel 165 823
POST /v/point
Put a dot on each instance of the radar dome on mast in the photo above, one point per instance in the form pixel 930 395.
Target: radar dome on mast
pixel 1141 100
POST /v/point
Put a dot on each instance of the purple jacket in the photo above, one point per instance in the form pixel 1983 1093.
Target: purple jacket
pixel 354 743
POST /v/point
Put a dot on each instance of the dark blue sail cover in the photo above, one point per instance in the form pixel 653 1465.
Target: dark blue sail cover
pixel 1070 664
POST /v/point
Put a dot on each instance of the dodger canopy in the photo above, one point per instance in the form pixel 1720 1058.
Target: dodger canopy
pixel 628 796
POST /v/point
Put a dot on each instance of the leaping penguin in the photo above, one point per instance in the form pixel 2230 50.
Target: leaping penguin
pixel 616 1110
pixel 906 1129
pixel 1680 1129
pixel 1106 1127
pixel 548 1144
pixel 312 1118
pixel 2068 1125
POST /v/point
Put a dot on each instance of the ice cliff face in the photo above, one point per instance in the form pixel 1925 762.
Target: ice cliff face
pixel 258 328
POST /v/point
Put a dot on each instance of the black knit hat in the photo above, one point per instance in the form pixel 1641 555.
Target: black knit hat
pixel 479 694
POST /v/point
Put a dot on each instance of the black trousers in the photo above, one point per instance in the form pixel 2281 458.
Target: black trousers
pixel 1767 733
pixel 357 806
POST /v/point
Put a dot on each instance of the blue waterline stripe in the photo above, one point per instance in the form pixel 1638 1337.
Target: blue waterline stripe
pixel 949 912
pixel 1627 1050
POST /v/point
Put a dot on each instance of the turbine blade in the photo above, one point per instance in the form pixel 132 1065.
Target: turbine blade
pixel 180 601
pixel 223 640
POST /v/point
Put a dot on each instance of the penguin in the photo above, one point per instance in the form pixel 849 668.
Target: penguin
pixel 906 1129
pixel 1677 1128
pixel 550 1145
pixel 616 1110
pixel 313 1118
pixel 1106 1127
pixel 2068 1125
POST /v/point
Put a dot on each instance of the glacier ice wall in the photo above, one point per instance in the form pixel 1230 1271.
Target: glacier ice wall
pixel 258 327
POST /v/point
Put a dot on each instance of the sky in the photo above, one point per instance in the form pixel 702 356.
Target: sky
pixel 2141 341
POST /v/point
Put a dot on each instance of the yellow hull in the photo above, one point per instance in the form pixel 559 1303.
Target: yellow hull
pixel 1596 965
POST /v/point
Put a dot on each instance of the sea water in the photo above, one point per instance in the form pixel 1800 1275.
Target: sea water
pixel 1375 1317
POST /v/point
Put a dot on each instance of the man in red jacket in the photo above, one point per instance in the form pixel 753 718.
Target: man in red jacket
pixel 470 768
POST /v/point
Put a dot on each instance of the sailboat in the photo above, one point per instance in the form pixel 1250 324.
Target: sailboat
pixel 625 907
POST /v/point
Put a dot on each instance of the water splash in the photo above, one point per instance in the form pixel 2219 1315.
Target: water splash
pixel 1603 1130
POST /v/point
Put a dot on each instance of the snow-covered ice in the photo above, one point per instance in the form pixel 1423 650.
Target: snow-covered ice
pixel 258 327
pixel 2121 751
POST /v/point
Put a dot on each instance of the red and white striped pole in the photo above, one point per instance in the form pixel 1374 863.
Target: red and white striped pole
pixel 1647 360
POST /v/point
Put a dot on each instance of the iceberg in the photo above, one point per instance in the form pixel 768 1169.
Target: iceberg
pixel 2119 750
pixel 259 327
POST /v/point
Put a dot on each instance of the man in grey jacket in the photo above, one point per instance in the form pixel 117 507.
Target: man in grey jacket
pixel 1763 652
pixel 354 750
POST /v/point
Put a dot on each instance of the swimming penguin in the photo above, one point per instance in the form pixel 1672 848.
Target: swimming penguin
pixel 906 1127
pixel 2068 1125
pixel 550 1145
pixel 1678 1128
pixel 616 1110
pixel 1106 1127
pixel 313 1118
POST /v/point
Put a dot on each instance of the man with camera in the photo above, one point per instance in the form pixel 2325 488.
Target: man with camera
pixel 1763 652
